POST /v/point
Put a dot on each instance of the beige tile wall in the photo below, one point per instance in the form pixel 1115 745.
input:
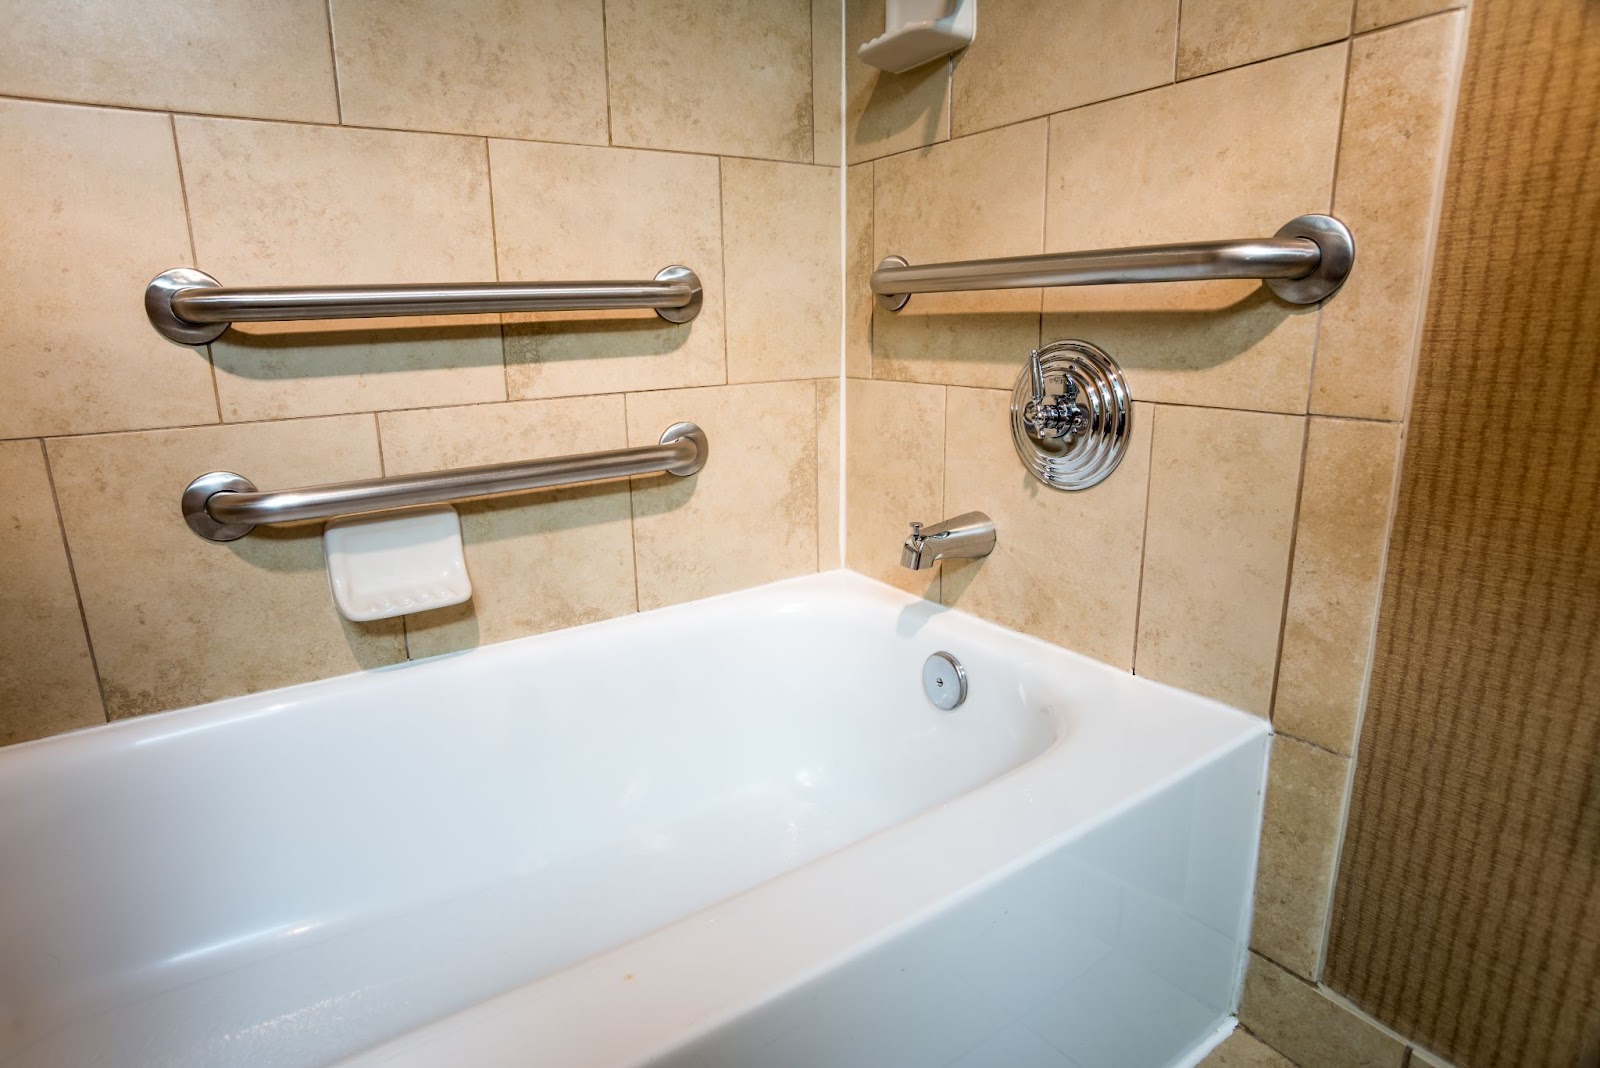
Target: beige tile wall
pixel 1238 550
pixel 367 141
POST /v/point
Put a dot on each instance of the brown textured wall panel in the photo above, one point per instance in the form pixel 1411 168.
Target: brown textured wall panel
pixel 1467 914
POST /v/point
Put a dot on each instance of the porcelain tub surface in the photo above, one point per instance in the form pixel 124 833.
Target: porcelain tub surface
pixel 731 832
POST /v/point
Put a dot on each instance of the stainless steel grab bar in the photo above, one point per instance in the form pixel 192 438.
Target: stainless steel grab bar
pixel 1304 262
pixel 192 308
pixel 223 506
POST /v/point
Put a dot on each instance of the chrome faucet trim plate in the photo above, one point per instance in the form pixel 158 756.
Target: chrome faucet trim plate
pixel 1071 415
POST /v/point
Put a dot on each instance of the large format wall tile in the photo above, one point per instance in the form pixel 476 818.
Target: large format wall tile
pixel 894 475
pixel 287 204
pixel 1217 157
pixel 1313 1030
pixel 1085 547
pixel 474 66
pixel 572 212
pixel 1389 158
pixel 827 80
pixel 1243 1050
pixel 972 198
pixel 177 620
pixel 1030 59
pixel 1222 497
pixel 1299 839
pixel 1333 588
pixel 780 241
pixel 828 475
pixel 750 515
pixel 886 113
pixel 94 210
pixel 1226 33
pixel 1371 14
pixel 538 561
pixel 47 679
pixel 230 57
pixel 722 76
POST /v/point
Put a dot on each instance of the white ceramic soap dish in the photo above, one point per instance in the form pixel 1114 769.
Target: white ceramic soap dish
pixel 393 563
pixel 918 31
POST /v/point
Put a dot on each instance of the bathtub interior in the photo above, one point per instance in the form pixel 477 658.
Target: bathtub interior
pixel 268 873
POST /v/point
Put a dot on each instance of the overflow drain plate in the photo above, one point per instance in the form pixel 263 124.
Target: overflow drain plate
pixel 944 680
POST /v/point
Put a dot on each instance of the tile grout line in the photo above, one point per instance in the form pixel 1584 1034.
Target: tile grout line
pixel 872 251
pixel 368 411
pixel 605 67
pixel 77 589
pixel 944 481
pixel 194 253
pixel 944 478
pixel 811 23
pixel 1457 9
pixel 340 124
pixel 373 128
pixel 1343 37
pixel 1144 541
pixel 1105 100
pixel 383 470
pixel 1177 41
pixel 1320 958
pixel 1338 144
pixel 333 59
pixel 611 393
pixel 949 98
pixel 183 187
pixel 377 434
pixel 633 532
pixel 816 475
pixel 1292 736
pixel 722 257
pixel 494 245
pixel 844 296
pixel 1288 578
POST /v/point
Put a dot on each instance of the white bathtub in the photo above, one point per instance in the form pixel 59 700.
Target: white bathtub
pixel 732 833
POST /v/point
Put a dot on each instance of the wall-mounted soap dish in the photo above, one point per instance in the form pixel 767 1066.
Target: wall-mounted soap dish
pixel 389 564
pixel 918 31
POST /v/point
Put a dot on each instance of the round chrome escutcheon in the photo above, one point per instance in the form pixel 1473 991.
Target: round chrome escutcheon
pixel 944 680
pixel 1086 458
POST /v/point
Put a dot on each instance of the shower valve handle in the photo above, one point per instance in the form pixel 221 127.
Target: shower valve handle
pixel 1049 419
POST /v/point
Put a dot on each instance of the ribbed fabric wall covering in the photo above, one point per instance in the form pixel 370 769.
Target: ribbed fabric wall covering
pixel 1467 913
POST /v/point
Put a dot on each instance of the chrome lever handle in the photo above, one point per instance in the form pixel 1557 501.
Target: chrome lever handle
pixel 1049 420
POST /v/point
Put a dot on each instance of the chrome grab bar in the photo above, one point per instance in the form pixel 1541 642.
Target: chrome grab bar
pixel 223 506
pixel 1304 262
pixel 192 308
